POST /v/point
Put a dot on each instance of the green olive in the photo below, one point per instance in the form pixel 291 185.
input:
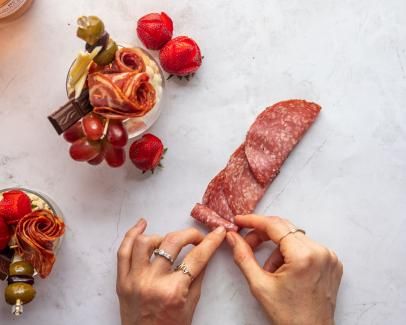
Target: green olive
pixel 107 55
pixel 90 29
pixel 21 268
pixel 23 291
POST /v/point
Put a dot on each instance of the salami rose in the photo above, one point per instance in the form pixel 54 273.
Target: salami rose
pixel 121 95
pixel 36 234
pixel 126 60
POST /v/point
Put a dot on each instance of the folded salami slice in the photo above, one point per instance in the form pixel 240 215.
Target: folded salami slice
pixel 240 186
pixel 35 235
pixel 215 199
pixel 210 218
pixel 275 133
pixel 121 95
pixel 128 60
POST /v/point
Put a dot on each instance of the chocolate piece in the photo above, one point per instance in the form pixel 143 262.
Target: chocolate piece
pixel 20 279
pixel 5 261
pixel 71 112
pixel 101 42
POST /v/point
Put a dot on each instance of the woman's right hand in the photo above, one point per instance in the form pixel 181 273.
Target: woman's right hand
pixel 298 284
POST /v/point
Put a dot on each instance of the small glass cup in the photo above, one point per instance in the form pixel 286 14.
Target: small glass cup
pixel 53 207
pixel 138 125
pixel 45 203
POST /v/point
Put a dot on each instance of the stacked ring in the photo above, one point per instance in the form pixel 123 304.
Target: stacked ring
pixel 162 253
pixel 185 270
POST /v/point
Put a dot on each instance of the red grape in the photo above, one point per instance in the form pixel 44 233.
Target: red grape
pixel 97 160
pixel 114 156
pixel 75 132
pixel 84 150
pixel 93 127
pixel 117 134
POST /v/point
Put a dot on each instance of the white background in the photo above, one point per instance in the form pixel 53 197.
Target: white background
pixel 345 183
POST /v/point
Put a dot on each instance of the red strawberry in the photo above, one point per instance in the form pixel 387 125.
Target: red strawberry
pixel 4 234
pixel 15 205
pixel 180 56
pixel 146 153
pixel 155 30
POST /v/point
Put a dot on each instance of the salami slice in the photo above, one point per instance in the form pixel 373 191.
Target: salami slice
pixel 274 134
pixel 121 95
pixel 238 188
pixel 129 60
pixel 241 188
pixel 35 236
pixel 215 199
pixel 210 218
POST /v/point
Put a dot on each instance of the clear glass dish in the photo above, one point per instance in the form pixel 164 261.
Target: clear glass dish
pixel 53 207
pixel 138 125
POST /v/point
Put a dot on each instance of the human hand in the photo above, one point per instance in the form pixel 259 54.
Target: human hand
pixel 150 292
pixel 298 283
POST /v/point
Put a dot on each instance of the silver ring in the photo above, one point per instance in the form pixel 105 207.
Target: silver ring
pixel 292 231
pixel 183 267
pixel 165 255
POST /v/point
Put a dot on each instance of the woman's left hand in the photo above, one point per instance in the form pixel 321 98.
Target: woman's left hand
pixel 150 292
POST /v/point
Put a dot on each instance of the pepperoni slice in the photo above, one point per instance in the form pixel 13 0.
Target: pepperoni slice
pixel 274 134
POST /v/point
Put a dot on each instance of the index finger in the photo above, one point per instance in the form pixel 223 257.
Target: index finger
pixel 199 256
pixel 274 227
pixel 124 253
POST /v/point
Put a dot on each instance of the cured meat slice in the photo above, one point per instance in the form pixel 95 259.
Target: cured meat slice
pixel 210 218
pixel 215 199
pixel 36 234
pixel 240 187
pixel 121 95
pixel 252 167
pixel 274 134
pixel 128 60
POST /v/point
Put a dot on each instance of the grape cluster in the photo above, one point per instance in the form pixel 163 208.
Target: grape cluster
pixel 95 139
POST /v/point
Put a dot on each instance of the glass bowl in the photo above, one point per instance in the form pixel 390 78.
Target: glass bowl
pixel 138 125
pixel 49 205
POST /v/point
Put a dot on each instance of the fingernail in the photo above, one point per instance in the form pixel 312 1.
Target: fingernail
pixel 231 239
pixel 219 230
pixel 140 222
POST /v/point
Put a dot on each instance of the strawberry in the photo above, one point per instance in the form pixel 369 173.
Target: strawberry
pixel 15 205
pixel 155 30
pixel 180 56
pixel 4 234
pixel 146 153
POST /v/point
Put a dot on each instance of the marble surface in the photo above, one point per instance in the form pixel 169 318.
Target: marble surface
pixel 345 183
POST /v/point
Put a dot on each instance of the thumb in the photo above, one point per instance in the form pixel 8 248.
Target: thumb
pixel 244 258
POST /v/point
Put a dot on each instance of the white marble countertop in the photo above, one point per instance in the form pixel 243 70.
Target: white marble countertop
pixel 345 183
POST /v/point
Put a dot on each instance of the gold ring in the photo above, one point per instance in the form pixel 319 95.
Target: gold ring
pixel 292 231
pixel 185 270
